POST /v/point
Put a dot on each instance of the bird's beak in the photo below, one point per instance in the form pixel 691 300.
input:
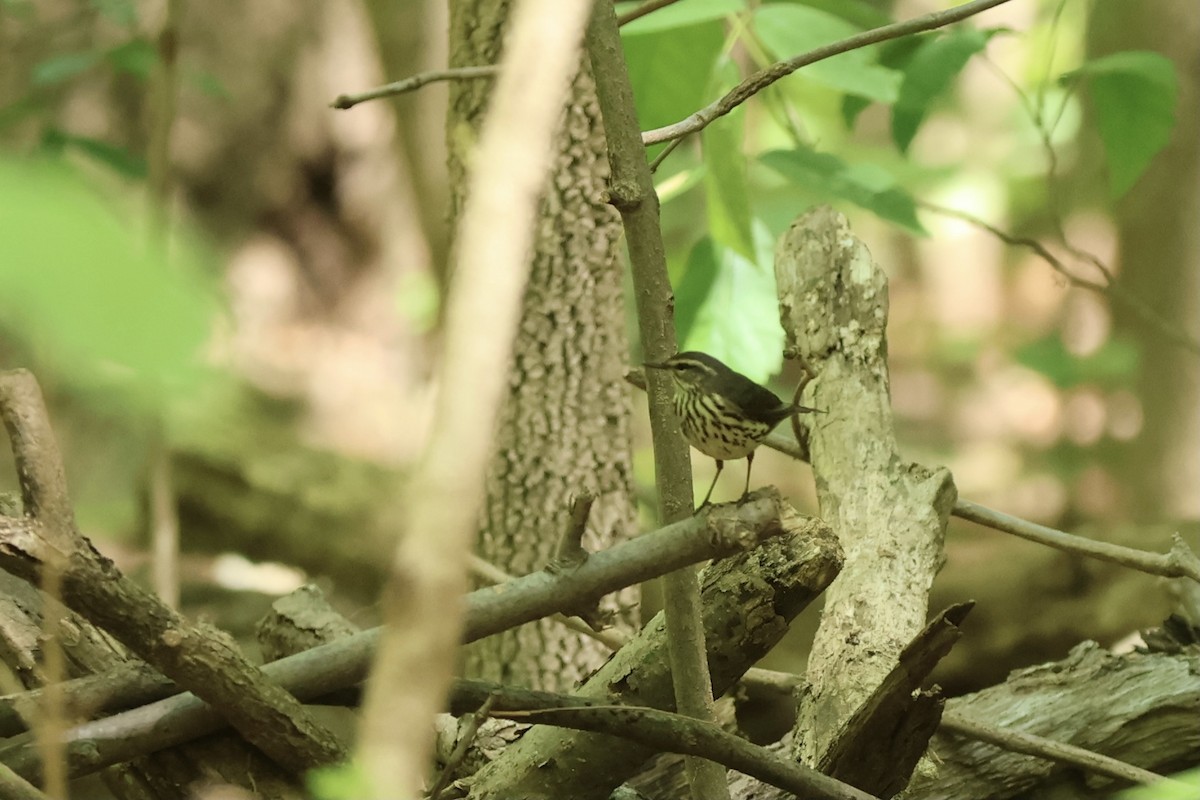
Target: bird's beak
pixel 653 365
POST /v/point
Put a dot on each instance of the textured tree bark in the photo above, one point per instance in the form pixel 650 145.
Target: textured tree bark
pixel 748 601
pixel 564 428
pixel 1140 708
pixel 166 774
pixel 889 514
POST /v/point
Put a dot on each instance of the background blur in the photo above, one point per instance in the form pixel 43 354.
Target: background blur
pixel 282 348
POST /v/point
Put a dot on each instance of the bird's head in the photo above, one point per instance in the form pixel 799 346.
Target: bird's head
pixel 691 370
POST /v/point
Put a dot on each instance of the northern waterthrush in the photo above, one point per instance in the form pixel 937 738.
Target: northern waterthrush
pixel 724 414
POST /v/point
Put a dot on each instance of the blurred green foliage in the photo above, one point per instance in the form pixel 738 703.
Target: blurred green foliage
pixel 1133 95
pixel 339 782
pixel 1184 786
pixel 1113 364
pixel 80 286
pixel 688 55
pixel 931 70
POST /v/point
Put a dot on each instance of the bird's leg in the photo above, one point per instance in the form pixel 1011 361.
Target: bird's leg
pixel 713 485
pixel 749 464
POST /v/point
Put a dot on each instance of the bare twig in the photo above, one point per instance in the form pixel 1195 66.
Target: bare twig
pixel 1169 331
pixel 666 151
pixel 48 543
pixel 44 495
pixel 415 82
pixel 464 744
pixel 1180 562
pixel 35 450
pixel 162 512
pixel 764 78
pixel 343 663
pixel 675 733
pixel 1035 109
pixel 725 527
pixel 633 195
pixel 1032 745
pixel 645 8
pixel 610 638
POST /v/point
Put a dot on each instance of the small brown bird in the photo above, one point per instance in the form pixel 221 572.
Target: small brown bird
pixel 724 414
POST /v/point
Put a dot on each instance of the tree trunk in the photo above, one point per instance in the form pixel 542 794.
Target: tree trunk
pixel 1160 263
pixel 564 428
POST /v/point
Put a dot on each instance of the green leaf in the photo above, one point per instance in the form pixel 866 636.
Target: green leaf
pixel 137 57
pixel 865 185
pixel 1115 363
pixel 19 110
pixel 116 158
pixel 931 71
pixel 693 287
pixel 80 286
pixel 728 199
pixel 208 83
pixel 672 72
pixel 738 319
pixel 789 30
pixel 895 55
pixel 680 15
pixel 861 14
pixel 1134 95
pixel 57 69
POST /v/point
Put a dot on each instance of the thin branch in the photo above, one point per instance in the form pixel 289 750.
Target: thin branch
pixel 100 693
pixel 317 672
pixel 609 637
pixel 14 787
pixel 1032 745
pixel 1180 562
pixel 48 544
pixel 675 733
pixel 35 451
pixel 722 529
pixel 666 151
pixel 633 195
pixel 764 78
pixel 642 10
pixel 1169 331
pixel 415 82
pixel 464 745
pixel 163 515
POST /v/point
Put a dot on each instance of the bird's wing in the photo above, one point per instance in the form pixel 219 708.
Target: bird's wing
pixel 759 402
